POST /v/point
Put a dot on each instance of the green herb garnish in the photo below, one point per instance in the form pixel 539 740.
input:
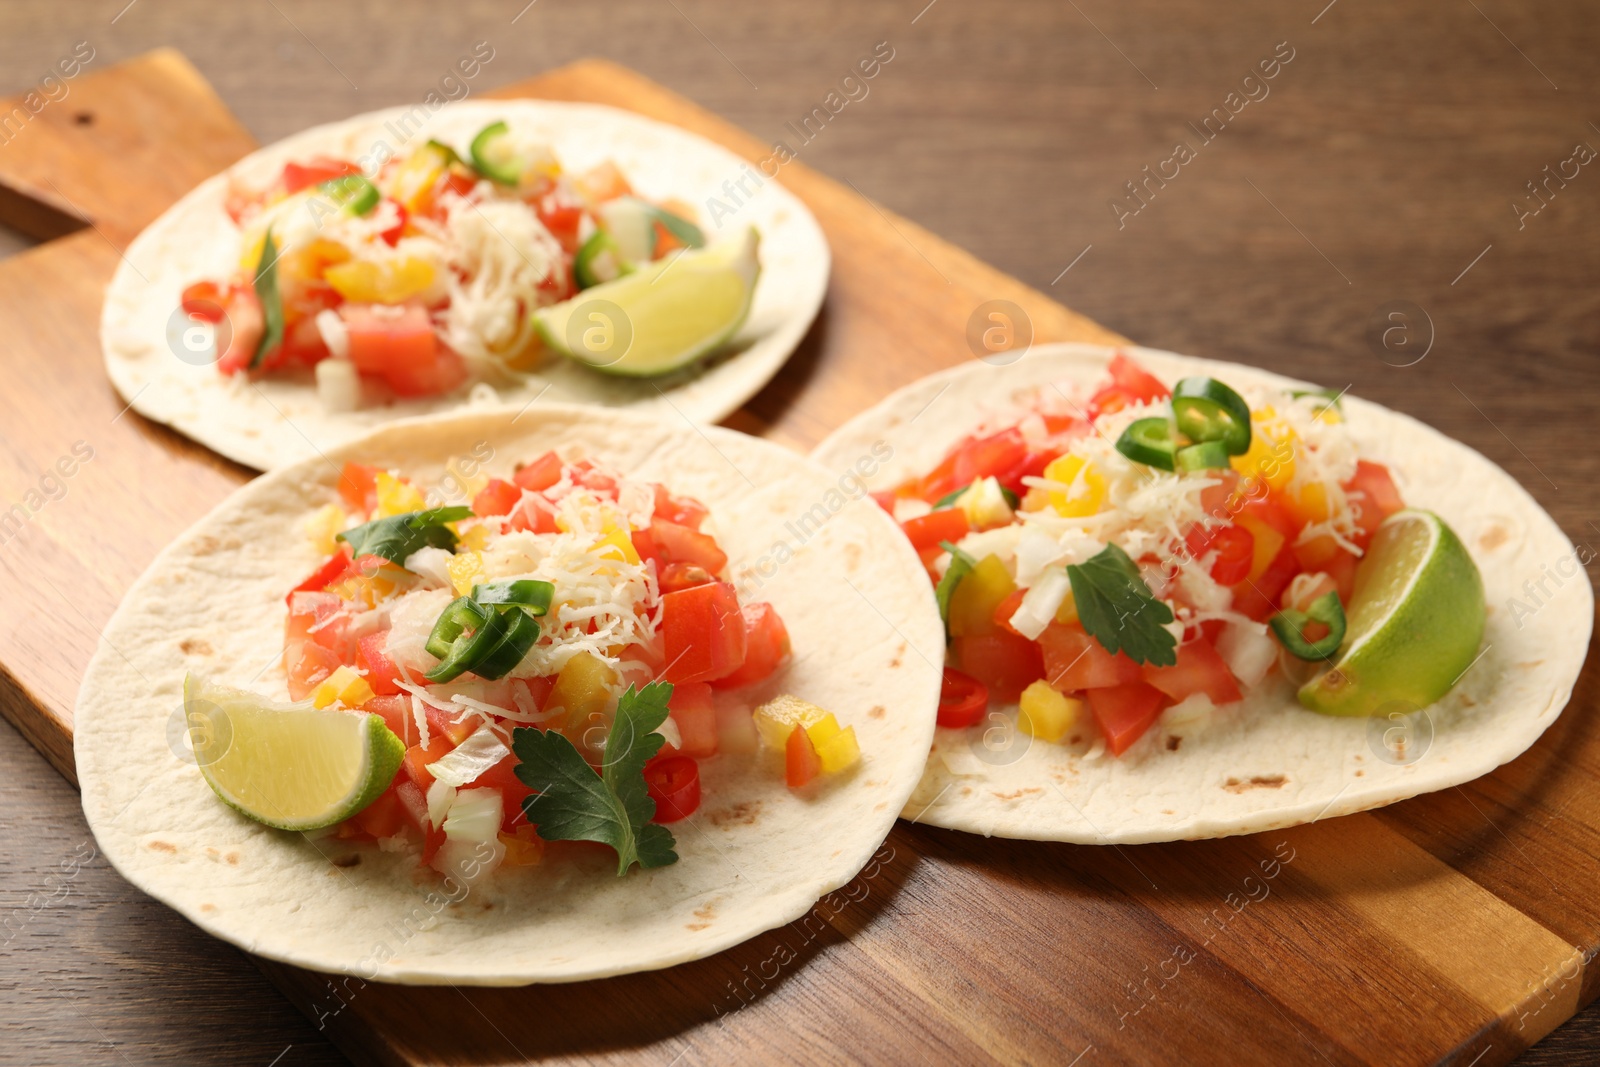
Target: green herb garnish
pixel 266 283
pixel 395 537
pixel 961 565
pixel 574 803
pixel 1118 610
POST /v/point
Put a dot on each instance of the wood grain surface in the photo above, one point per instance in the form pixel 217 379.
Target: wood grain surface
pixel 1383 162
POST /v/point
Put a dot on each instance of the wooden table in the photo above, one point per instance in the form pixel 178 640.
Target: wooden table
pixel 1381 167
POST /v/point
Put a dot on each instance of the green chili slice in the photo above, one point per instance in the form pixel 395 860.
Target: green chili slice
pixel 461 615
pixel 961 565
pixel 527 593
pixel 1149 441
pixel 353 192
pixel 266 286
pixel 598 260
pixel 519 631
pixel 1207 410
pixel 490 155
pixel 1290 625
pixel 1204 456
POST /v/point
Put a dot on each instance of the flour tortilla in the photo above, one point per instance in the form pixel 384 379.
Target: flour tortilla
pixel 278 420
pixel 1266 762
pixel 756 856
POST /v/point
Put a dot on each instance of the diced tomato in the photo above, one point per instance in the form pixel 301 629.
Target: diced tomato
pixel 679 544
pixel 246 325
pixel 358 487
pixel 1073 660
pixel 1125 712
pixel 1258 597
pixel 1005 663
pixel 696 716
pixel 672 576
pixel 1000 456
pixel 453 730
pixel 203 300
pixel 447 371
pixel 1139 383
pixel 885 499
pixel 684 511
pixel 382 674
pixel 396 712
pixel 539 475
pixel 604 182
pixel 927 531
pixel 800 760
pixel 1110 399
pixel 1264 507
pixel 535 513
pixel 309 657
pixel 1235 547
pixel 392 235
pixel 415 801
pixel 334 568
pixel 1373 498
pixel 674 784
pixel 1218 499
pixel 418 757
pixel 298 176
pixel 589 476
pixel 1199 670
pixel 383 817
pixel 703 633
pixel 537 689
pixel 962 699
pixel 399 345
pixel 496 498
pixel 1007 608
pixel 766 644
pixel 561 215
pixel 1342 569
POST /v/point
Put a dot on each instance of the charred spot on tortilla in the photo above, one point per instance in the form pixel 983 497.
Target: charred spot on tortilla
pixel 1173 741
pixel 1257 781
pixel 744 813
pixel 349 859
pixel 163 846
pixel 195 646
pixel 1493 536
pixel 877 712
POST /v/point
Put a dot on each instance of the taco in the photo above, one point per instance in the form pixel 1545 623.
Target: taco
pixel 490 700
pixel 392 265
pixel 1187 599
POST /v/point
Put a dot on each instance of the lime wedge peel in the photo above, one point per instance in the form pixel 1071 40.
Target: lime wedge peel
pixel 290 766
pixel 662 317
pixel 1416 621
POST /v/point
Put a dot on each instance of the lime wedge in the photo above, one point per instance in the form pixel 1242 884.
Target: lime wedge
pixel 662 317
pixel 288 765
pixel 1415 621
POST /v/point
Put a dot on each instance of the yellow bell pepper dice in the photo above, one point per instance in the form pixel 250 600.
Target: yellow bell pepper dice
pixel 778 717
pixel 465 569
pixel 616 544
pixel 1268 543
pixel 1087 492
pixel 583 688
pixel 343 685
pixel 976 597
pixel 840 751
pixel 1047 714
pixel 1270 456
pixel 324 525
pixel 389 281
pixel 397 496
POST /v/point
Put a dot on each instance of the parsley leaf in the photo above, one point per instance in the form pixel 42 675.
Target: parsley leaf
pixel 961 565
pixel 395 537
pixel 573 803
pixel 266 285
pixel 1118 609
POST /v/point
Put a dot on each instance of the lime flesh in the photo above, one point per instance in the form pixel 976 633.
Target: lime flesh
pixel 291 766
pixel 662 317
pixel 1416 618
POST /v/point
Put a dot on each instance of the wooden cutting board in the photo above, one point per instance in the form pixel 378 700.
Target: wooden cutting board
pixel 1453 928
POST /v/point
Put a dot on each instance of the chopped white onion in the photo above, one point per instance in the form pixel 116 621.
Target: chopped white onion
pixel 1040 603
pixel 441 795
pixel 432 563
pixel 1248 650
pixel 669 730
pixel 333 332
pixel 907 508
pixel 481 750
pixel 475 816
pixel 338 385
pixel 1191 709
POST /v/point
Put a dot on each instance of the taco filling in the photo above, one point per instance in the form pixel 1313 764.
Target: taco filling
pixel 426 275
pixel 554 662
pixel 1102 560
